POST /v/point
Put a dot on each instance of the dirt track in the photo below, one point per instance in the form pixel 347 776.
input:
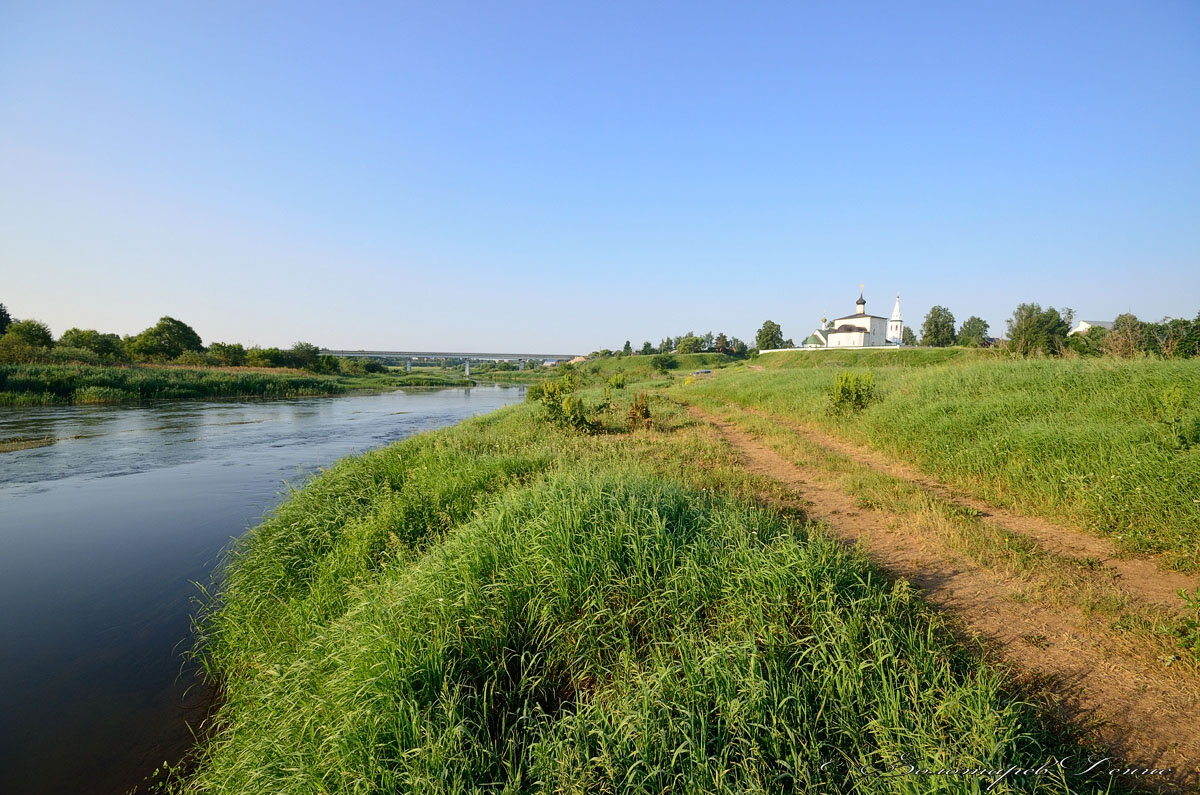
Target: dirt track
pixel 1143 716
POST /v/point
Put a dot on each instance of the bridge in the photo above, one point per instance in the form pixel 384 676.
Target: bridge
pixel 460 356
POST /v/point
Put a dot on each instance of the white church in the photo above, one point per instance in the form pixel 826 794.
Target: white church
pixel 859 330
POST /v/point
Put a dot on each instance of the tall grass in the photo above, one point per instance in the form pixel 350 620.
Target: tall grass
pixel 33 384
pixel 505 606
pixel 1107 445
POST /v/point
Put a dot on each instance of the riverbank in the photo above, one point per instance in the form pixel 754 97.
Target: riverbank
pixel 510 603
pixel 65 384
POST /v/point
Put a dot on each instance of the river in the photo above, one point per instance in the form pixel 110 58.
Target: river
pixel 103 534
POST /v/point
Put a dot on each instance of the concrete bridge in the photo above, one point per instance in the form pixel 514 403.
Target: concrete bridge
pixel 461 356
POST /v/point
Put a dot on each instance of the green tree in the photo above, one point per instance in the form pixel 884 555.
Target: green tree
pixel 907 336
pixel 304 355
pixel 974 332
pixel 769 337
pixel 647 348
pixel 666 345
pixel 1033 330
pixel 721 343
pixel 689 344
pixel 739 347
pixel 1089 343
pixel 229 354
pixel 628 349
pixel 663 362
pixel 165 340
pixel 107 346
pixel 34 333
pixel 5 319
pixel 938 328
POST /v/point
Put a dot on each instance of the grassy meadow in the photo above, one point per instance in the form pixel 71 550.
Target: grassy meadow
pixel 511 606
pixel 1112 446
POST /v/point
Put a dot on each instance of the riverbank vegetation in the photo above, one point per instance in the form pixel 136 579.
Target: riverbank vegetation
pixel 516 605
pixel 46 384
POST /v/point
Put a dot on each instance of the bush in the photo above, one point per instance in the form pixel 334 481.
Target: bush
pixel 617 381
pixel 639 412
pixel 563 407
pixel 15 350
pixel 195 359
pixel 102 394
pixel 851 393
pixel 31 332
pixel 66 354
pixel 663 362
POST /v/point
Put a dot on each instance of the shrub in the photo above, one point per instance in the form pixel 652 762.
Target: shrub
pixel 67 354
pixel 195 359
pixel 617 381
pixel 663 362
pixel 563 407
pixel 851 393
pixel 102 394
pixel 639 412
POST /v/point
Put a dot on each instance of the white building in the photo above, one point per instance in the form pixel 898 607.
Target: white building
pixel 1084 325
pixel 861 330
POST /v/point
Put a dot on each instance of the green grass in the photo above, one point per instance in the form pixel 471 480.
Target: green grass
pixel 1110 446
pixel 505 606
pixel 38 384
pixel 903 357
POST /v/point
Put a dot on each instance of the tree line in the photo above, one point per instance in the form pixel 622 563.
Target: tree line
pixel 169 341
pixel 691 342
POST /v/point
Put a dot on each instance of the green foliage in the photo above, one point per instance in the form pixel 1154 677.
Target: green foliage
pixel 647 349
pixel 506 607
pixel 164 340
pixel 1089 343
pixel 15 350
pixel 38 383
pixel 851 393
pixel 5 319
pixel 974 332
pixel 228 354
pixel 108 347
pixel 689 345
pixel 562 404
pixel 639 412
pixel 87 395
pixel 663 362
pixel 1036 331
pixel 66 354
pixel 303 355
pixel 1092 443
pixel 33 333
pixel 1187 630
pixel 769 337
pixel 617 381
pixel 907 336
pixel 628 349
pixel 938 329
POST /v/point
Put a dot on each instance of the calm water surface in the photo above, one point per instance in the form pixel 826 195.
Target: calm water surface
pixel 102 535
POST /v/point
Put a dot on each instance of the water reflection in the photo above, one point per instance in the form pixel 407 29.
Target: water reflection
pixel 103 533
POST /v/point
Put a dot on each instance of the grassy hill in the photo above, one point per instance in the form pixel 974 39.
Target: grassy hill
pixel 1110 445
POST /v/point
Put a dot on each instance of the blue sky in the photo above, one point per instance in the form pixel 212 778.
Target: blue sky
pixel 563 176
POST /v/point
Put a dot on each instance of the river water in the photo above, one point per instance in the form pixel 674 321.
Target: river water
pixel 103 534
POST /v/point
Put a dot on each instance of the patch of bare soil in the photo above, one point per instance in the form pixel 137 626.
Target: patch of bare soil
pixel 1138 577
pixel 1144 717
